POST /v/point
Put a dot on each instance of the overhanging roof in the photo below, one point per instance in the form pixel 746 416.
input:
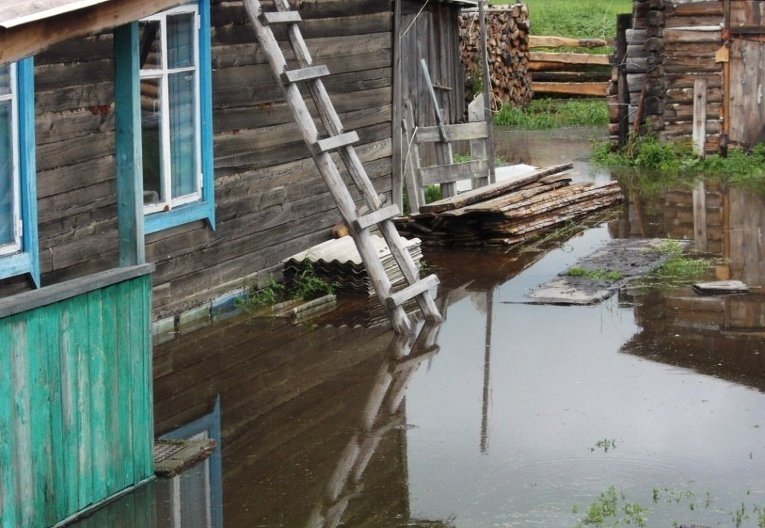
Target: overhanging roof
pixel 18 12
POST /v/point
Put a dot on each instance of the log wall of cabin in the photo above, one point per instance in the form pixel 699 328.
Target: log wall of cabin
pixel 270 200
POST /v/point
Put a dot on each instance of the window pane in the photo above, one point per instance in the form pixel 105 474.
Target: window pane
pixel 180 41
pixel 182 134
pixel 151 47
pixel 151 138
pixel 5 79
pixel 6 175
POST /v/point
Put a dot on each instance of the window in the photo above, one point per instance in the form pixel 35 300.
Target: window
pixel 18 218
pixel 176 127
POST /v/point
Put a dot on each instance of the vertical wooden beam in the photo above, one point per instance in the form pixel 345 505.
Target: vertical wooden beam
pixel 623 23
pixel 699 116
pixel 478 147
pixel 129 165
pixel 397 184
pixel 487 91
pixel 700 216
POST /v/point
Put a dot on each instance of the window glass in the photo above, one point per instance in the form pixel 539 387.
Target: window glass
pixel 183 140
pixel 151 137
pixel 7 172
pixel 180 41
pixel 151 44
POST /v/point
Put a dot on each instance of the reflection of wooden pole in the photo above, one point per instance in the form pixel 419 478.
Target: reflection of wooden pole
pixel 700 216
pixel 487 372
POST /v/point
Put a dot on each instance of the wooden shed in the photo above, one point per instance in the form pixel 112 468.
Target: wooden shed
pixel 685 65
pixel 149 167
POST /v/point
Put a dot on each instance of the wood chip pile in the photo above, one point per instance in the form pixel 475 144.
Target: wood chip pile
pixel 510 212
pixel 508 44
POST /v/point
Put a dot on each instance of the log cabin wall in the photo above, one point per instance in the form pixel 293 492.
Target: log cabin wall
pixel 270 200
pixel 670 45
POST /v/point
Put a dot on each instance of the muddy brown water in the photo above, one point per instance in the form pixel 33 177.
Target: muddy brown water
pixel 506 415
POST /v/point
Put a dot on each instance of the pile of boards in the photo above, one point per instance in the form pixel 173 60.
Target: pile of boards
pixel 510 212
pixel 338 262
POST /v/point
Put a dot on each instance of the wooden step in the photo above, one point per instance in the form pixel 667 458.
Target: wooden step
pixel 280 17
pixel 336 142
pixel 375 217
pixel 304 74
pixel 410 292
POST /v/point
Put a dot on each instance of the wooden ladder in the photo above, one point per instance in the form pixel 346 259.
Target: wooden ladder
pixel 342 141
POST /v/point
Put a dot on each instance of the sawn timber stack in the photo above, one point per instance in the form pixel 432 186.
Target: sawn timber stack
pixel 360 220
pixel 510 212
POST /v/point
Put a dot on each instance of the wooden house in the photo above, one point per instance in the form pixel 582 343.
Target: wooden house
pixel 691 69
pixel 149 167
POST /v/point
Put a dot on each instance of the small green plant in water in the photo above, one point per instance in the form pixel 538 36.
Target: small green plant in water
pixel 307 285
pixel 600 275
pixel 612 509
pixel 256 298
pixel 606 445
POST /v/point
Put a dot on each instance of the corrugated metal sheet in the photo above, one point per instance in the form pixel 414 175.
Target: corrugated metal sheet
pixel 19 12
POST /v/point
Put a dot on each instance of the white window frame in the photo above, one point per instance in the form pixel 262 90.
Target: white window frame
pixel 15 246
pixel 163 74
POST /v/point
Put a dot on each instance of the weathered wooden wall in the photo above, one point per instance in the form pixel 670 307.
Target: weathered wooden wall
pixel 672 44
pixel 76 418
pixel 270 200
pixel 432 34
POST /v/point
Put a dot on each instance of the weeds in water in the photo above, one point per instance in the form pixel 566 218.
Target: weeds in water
pixel 599 275
pixel 739 515
pixel 606 445
pixel 543 114
pixel 306 285
pixel 678 268
pixel 612 509
pixel 256 298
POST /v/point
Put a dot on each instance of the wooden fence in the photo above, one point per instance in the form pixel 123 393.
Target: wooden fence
pixel 76 421
pixel 567 73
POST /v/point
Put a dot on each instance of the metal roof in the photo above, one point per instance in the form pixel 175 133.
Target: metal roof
pixel 18 12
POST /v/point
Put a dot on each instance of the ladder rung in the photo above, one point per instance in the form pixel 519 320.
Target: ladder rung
pixel 375 217
pixel 336 142
pixel 280 17
pixel 305 74
pixel 411 291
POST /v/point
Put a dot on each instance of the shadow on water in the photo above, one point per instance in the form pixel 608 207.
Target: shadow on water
pixel 507 414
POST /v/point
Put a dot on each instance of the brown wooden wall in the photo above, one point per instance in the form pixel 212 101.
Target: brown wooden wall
pixel 270 200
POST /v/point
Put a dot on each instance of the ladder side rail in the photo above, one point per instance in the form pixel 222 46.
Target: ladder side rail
pixel 329 171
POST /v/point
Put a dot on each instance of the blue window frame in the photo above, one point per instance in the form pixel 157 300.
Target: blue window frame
pixel 176 117
pixel 18 197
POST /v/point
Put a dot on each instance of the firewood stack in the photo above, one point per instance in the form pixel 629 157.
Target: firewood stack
pixel 508 45
pixel 509 212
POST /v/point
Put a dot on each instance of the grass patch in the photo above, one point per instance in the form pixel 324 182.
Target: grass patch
pixel 678 268
pixel 553 113
pixel 600 275
pixel 305 286
pixel 612 509
pixel 576 19
pixel 676 161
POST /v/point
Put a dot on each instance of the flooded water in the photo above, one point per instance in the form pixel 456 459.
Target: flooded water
pixel 650 405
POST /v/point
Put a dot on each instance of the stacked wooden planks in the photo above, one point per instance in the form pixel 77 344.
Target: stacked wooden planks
pixel 510 212
pixel 507 30
pixel 566 73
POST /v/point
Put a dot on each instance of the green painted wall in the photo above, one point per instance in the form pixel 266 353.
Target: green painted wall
pixel 76 423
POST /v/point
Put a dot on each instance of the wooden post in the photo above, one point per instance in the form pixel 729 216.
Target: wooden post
pixel 699 116
pixel 623 23
pixel 487 90
pixel 397 183
pixel 412 163
pixel 700 216
pixel 478 147
pixel 129 167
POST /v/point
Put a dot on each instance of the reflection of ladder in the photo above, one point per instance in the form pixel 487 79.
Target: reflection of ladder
pixel 380 415
pixel 341 142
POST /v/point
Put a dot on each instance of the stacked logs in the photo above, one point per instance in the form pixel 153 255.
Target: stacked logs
pixel 511 212
pixel 507 30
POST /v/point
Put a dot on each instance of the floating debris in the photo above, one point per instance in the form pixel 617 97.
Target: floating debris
pixel 724 287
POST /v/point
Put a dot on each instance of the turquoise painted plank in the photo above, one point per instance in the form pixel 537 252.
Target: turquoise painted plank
pixel 68 358
pixel 139 361
pixel 37 381
pixel 149 369
pixel 128 146
pixel 125 386
pixel 22 462
pixel 79 307
pixel 8 514
pixel 98 395
pixel 109 313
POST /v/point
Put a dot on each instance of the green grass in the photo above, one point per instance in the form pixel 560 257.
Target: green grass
pixel 574 18
pixel 600 275
pixel 553 113
pixel 675 162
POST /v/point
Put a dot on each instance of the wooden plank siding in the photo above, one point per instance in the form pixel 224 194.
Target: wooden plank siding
pixel 75 410
pixel 270 199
